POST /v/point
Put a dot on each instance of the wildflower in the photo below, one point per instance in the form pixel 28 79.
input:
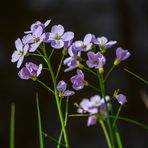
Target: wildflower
pixel 61 87
pixel 35 25
pixel 35 38
pixel 86 44
pixel 57 37
pixel 19 53
pixel 121 55
pixel 31 71
pixel 121 98
pixel 93 106
pixel 73 61
pixel 78 80
pixel 95 60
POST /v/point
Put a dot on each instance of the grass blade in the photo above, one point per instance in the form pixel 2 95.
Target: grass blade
pixel 39 124
pixel 12 126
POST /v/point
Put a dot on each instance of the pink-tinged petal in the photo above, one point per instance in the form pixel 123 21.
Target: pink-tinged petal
pixel 15 56
pixel 67 36
pixel 24 74
pixel 68 93
pixel 39 69
pixel 20 61
pixel 57 29
pixel 87 39
pixel 18 44
pixel 57 44
pixel 92 120
pixel 47 23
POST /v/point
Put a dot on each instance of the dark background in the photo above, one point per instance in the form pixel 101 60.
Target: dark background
pixel 123 20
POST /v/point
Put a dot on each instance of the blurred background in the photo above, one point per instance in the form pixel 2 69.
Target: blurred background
pixel 125 21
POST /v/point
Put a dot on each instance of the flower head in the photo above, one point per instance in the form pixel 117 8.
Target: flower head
pixel 73 61
pixel 103 42
pixel 31 71
pixel 19 53
pixel 86 44
pixel 57 37
pixel 78 80
pixel 37 24
pixel 61 87
pixel 121 98
pixel 95 60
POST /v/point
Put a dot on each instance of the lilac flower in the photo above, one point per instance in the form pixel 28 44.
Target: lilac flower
pixel 103 42
pixel 31 71
pixel 35 38
pixel 72 62
pixel 121 99
pixel 37 24
pixel 57 37
pixel 95 60
pixel 92 120
pixel 78 80
pixel 19 53
pixel 122 54
pixel 86 44
pixel 93 106
pixel 61 87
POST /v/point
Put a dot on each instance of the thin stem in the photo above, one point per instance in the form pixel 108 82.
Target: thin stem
pixel 66 117
pixel 51 53
pixel 93 87
pixel 39 123
pixel 12 126
pixel 91 71
pixel 105 133
pixel 56 97
pixel 146 82
pixel 118 112
pixel 53 139
pixel 36 55
pixel 107 75
pixel 45 86
pixel 131 121
pixel 59 68
pixel 106 106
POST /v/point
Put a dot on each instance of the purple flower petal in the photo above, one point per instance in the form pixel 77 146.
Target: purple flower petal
pixel 92 120
pixel 61 87
pixel 57 29
pixel 68 93
pixel 57 44
pixel 24 74
pixel 121 99
pixel 67 36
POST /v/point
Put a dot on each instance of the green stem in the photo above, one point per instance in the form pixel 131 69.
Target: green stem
pixel 91 86
pixel 91 71
pixel 131 121
pixel 51 54
pixel 39 123
pixel 105 133
pixel 106 106
pixel 12 126
pixel 53 139
pixel 107 75
pixel 118 112
pixel 60 66
pixel 56 97
pixel 45 86
pixel 146 82
pixel 66 117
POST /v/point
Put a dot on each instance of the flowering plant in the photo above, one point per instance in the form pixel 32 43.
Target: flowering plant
pixel 83 56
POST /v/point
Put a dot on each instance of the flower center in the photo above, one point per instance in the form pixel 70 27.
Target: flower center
pixel 57 37
pixel 36 39
pixel 96 62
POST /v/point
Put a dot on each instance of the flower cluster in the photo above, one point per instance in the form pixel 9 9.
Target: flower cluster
pixel 88 54
pixel 95 105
